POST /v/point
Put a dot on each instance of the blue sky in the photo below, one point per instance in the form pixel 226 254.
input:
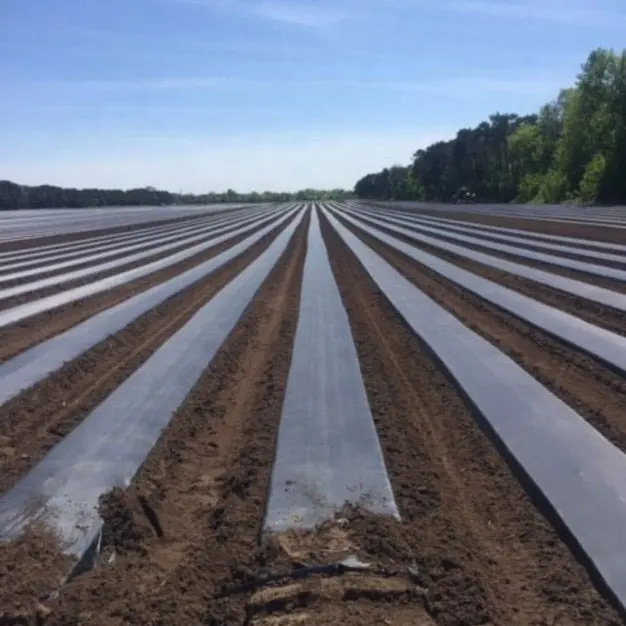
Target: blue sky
pixel 200 95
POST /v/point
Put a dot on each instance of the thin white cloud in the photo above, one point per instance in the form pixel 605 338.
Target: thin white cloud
pixel 281 161
pixel 150 84
pixel 301 13
pixel 454 87
pixel 468 87
pixel 566 13
pixel 307 13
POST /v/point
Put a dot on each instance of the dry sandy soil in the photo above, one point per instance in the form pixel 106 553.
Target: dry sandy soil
pixel 182 543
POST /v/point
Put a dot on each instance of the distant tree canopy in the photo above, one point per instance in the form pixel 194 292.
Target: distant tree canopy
pixel 573 150
pixel 14 196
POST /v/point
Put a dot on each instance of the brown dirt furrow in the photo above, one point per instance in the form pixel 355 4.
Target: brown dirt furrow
pixel 8 303
pixel 529 238
pixel 42 262
pixel 18 337
pixel 32 243
pixel 81 264
pixel 592 389
pixel 191 519
pixel 563 229
pixel 563 255
pixel 37 419
pixel 24 245
pixel 607 283
pixel 485 554
pixel 605 317
pixel 532 246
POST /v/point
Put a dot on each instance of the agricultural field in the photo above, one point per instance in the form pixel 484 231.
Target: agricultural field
pixel 313 413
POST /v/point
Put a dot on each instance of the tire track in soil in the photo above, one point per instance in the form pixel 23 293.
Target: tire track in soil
pixel 603 316
pixel 36 420
pixel 593 390
pixel 486 553
pixel 9 303
pixel 206 481
pixel 18 337
pixel 563 229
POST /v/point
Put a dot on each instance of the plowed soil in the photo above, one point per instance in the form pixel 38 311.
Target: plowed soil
pixel 190 521
pixel 40 417
pixel 605 317
pixel 564 229
pixel 84 265
pixel 37 294
pixel 33 330
pixel 596 392
pixel 24 245
pixel 486 553
pixel 600 281
pixel 577 253
pixel 182 544
pixel 526 238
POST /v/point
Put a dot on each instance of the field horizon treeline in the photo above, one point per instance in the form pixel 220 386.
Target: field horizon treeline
pixel 14 196
pixel 573 150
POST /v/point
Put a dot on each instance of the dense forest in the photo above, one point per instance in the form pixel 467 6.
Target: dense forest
pixel 573 150
pixel 14 196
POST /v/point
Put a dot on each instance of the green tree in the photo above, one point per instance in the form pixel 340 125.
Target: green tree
pixel 573 149
pixel 593 176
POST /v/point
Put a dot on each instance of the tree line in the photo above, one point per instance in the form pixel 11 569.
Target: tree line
pixel 14 196
pixel 572 150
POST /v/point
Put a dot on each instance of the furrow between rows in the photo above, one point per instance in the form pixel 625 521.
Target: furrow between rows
pixel 603 273
pixel 134 266
pixel 509 243
pixel 588 386
pixel 604 308
pixel 165 241
pixel 37 419
pixel 18 337
pixel 544 226
pixel 200 401
pixel 41 241
pixel 485 552
pixel 606 346
pixel 205 482
pixel 527 236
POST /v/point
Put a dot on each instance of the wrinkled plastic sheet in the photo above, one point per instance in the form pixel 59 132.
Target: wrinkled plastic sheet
pixel 206 239
pixel 33 365
pixel 577 288
pixel 578 471
pixel 527 236
pixel 521 212
pixel 16 259
pixel 598 342
pixel 109 446
pixel 131 251
pixel 328 451
pixel 46 225
pixel 571 264
pixel 94 241
pixel 23 311
pixel 452 230
pixel 54 260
